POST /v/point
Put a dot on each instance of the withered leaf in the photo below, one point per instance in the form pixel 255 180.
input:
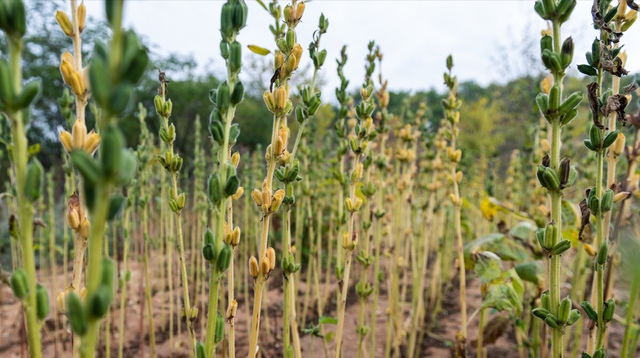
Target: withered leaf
pixel 592 94
pixel 546 161
pixel 565 169
pixel 598 21
pixel 585 216
pixel 618 102
pixel 632 5
pixel 610 64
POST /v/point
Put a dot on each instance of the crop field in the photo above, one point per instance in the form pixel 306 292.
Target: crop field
pixel 291 201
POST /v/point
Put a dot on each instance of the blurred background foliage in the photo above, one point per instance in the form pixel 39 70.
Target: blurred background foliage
pixel 496 119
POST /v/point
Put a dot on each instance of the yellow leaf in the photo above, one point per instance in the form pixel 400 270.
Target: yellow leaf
pixel 259 50
pixel 488 209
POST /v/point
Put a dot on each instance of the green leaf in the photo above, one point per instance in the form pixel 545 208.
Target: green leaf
pixel 329 320
pixel 33 149
pixel 259 50
pixel 263 5
pixel 522 230
pixel 530 271
pixel 488 266
pixel 497 243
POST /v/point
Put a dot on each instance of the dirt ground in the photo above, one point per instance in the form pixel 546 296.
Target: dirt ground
pixel 436 343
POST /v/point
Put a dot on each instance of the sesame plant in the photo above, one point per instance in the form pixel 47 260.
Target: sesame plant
pixel 553 174
pixel 15 100
pixel 363 133
pixel 599 201
pixel 277 101
pixel 224 186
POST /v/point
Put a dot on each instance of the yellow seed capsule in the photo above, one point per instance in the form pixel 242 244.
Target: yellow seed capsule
pixel 279 147
pixel 357 204
pixel 73 219
pixel 589 250
pixel 65 139
pixel 253 267
pixel 236 236
pixel 231 310
pixel 66 69
pixel 66 57
pixel 256 195
pixel 458 155
pixel 453 199
pixel 269 101
pixel 65 24
pixel 545 145
pixel 271 255
pixel 85 78
pixel 300 10
pixel 345 240
pixel 621 196
pixel 618 146
pixel 277 200
pixel 238 193
pixel 235 159
pixel 265 266
pixel 281 98
pixel 60 302
pixel 266 196
pixel 79 134
pixel 84 229
pixel 293 14
pixel 291 63
pixel 349 204
pixel 83 293
pixel 82 15
pixel 630 15
pixel 459 176
pixel 279 60
pixel 77 84
pixel 297 52
pixel 91 143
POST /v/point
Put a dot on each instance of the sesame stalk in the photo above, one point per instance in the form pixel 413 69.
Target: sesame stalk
pixel 28 177
pixel 277 100
pixel 223 186
pixel 451 107
pixel 364 133
pixel 552 174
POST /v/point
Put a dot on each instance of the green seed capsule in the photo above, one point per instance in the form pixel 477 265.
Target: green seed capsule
pixel 76 314
pixel 609 139
pixel 609 310
pixel 542 99
pixel 111 153
pixel 18 18
pixel 556 62
pixel 600 353
pixel 224 258
pixel 231 186
pixel 540 312
pixel 238 93
pixel 28 94
pixel 607 201
pixel 99 302
pixel 290 38
pixel 570 103
pixel 588 309
pixel 214 189
pixel 209 252
pixel 226 19
pixel 540 237
pixel 540 175
pixel 569 116
pixel 201 350
pixel 34 183
pixel 540 9
pixel 19 283
pixel 544 300
pixel 574 316
pixel 209 238
pixel 594 204
pixel 222 99
pixel 560 247
pixel 107 272
pixel 567 52
pixel 235 57
pixel 554 97
pixel 42 302
pixel 550 177
pixel 551 321
pixel 219 333
pixel 565 310
pixel 239 15
pixel 601 258
pixel 546 43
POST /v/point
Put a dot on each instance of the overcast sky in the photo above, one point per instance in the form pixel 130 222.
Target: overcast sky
pixel 414 36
